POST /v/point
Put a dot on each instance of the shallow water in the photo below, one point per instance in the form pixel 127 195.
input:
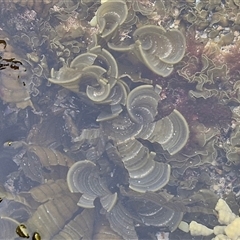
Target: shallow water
pixel 116 131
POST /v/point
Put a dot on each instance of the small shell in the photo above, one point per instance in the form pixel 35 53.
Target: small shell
pixel 21 231
pixel 36 236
